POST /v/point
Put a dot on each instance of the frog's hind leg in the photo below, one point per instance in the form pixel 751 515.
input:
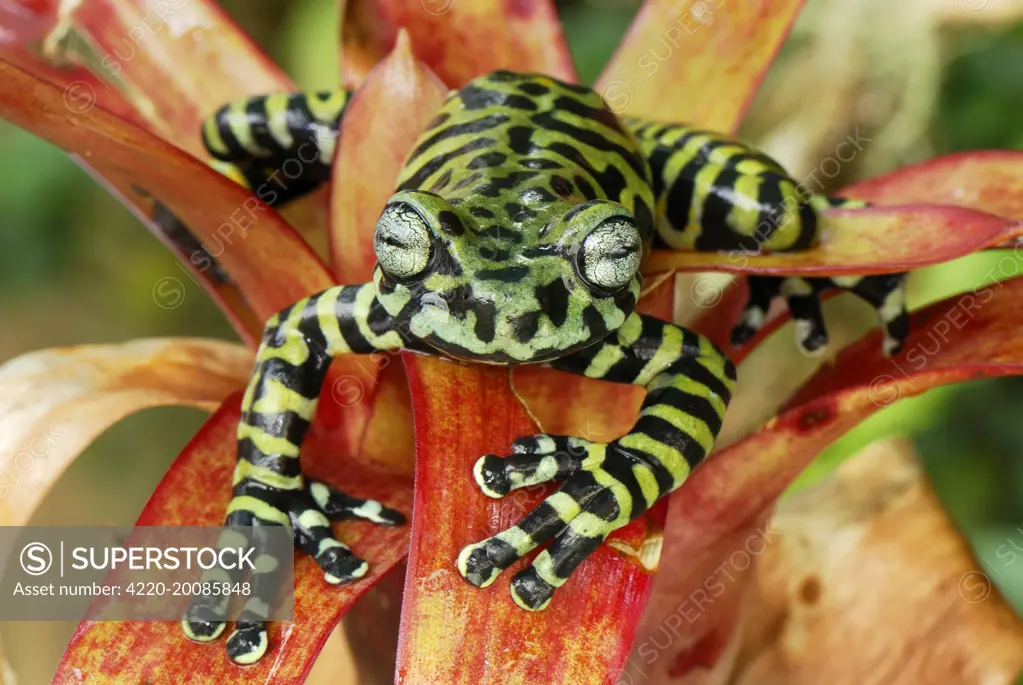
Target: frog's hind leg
pixel 886 293
pixel 282 144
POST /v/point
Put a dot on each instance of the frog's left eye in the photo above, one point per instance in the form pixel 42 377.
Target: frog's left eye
pixel 402 241
pixel 609 256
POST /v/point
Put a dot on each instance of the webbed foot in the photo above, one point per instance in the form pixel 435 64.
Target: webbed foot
pixel 606 486
pixel 308 511
pixel 884 292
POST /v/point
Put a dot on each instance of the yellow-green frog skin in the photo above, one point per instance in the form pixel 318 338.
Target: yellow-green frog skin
pixel 515 236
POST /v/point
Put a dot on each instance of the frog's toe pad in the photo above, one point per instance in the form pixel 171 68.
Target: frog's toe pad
pixel 202 631
pixel 530 591
pixel 492 476
pixel 750 323
pixel 248 643
pixel 812 337
pixel 340 566
pixel 482 562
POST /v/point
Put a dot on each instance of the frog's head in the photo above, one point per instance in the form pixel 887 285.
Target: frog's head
pixel 560 281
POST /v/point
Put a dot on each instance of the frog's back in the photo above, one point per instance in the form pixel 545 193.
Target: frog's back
pixel 513 151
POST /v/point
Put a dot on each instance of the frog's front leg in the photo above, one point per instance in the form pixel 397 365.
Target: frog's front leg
pixel 689 383
pixel 269 488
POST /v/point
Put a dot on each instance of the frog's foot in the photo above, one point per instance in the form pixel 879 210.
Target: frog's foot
pixel 308 512
pixel 885 293
pixel 605 486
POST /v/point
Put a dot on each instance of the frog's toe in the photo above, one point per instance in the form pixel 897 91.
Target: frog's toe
pixel 803 298
pixel 202 631
pixel 762 290
pixel 315 536
pixel 339 506
pixel 534 460
pixel 205 619
pixel 533 587
pixel 340 566
pixel 248 643
pixel 480 563
pixel 886 293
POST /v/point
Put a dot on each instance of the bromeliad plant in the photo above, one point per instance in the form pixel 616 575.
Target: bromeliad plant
pixel 136 128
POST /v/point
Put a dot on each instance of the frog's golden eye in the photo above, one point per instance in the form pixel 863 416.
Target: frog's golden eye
pixel 610 254
pixel 402 241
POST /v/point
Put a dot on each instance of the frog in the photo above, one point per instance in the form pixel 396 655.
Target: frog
pixel 515 235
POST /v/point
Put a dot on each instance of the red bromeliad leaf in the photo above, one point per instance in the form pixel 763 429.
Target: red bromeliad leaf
pixel 261 254
pixel 178 62
pixel 989 180
pixel 83 90
pixel 462 39
pixel 382 122
pixel 457 634
pixel 195 493
pixel 28 18
pixel 698 61
pixel 863 241
pixel 715 514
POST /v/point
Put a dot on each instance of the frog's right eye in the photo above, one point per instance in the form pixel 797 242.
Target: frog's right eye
pixel 402 241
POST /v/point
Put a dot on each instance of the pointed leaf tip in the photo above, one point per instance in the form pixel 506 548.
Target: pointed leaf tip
pixel 462 39
pixel 399 97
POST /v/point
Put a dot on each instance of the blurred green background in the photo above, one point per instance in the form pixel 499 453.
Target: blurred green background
pixel 75 268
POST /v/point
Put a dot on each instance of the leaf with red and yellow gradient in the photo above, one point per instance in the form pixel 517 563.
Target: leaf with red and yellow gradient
pixel 696 61
pixel 195 492
pixel 987 180
pixel 382 122
pixel 714 516
pixel 871 240
pixel 454 633
pixel 54 403
pixel 271 265
pixel 461 39
pixel 81 91
pixel 163 65
pixel 176 62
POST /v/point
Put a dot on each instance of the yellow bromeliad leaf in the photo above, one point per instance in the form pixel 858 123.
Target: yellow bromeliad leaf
pixel 54 403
